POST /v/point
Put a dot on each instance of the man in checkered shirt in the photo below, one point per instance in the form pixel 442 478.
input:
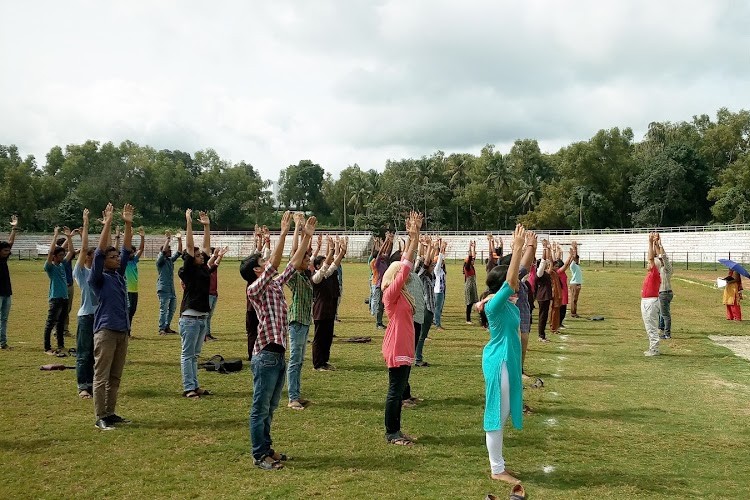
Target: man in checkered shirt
pixel 266 294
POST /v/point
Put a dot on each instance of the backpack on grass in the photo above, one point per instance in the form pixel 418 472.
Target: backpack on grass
pixel 217 363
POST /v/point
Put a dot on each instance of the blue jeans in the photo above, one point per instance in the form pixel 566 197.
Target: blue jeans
pixel 4 312
pixel 268 381
pixel 212 300
pixel 85 353
pixel 297 344
pixel 439 302
pixel 167 306
pixel 665 315
pixel 192 331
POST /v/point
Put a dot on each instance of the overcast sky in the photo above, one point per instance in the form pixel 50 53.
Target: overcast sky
pixel 354 81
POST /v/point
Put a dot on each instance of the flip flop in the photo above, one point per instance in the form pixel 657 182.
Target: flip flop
pixel 203 392
pixel 191 395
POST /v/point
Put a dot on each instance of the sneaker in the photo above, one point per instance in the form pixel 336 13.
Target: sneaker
pixel 563 327
pixel 210 337
pixel 326 368
pixel 163 332
pixel 546 341
pixel 381 326
pixel 422 363
pixel 103 425
pixel 169 330
pixel 295 405
pixel 116 419
pixel 651 352
pixel 469 323
pixel 5 346
pixel 666 336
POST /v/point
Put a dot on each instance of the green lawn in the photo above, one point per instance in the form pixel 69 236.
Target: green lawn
pixel 609 423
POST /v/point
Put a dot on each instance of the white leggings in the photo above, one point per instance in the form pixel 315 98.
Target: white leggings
pixel 495 438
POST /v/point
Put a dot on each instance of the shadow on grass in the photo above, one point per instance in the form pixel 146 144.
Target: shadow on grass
pixel 642 414
pixel 28 445
pixel 657 483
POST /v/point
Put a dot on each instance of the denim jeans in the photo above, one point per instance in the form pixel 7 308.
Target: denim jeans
pixel 439 302
pixel 167 306
pixel 192 332
pixel 4 312
pixel 297 344
pixel 665 315
pixel 426 324
pixel 212 300
pixel 85 353
pixel 58 311
pixel 268 381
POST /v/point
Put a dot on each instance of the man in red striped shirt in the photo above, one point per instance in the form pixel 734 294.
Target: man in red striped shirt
pixel 265 292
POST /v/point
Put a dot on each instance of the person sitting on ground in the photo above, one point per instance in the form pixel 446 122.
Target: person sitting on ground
pixel 6 291
pixel 89 303
pixel 471 296
pixel 58 294
pixel 195 274
pixel 501 357
pixel 398 341
pixel 111 320
pixel 266 294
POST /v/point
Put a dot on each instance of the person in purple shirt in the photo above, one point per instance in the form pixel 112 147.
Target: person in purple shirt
pixel 382 261
pixel 111 319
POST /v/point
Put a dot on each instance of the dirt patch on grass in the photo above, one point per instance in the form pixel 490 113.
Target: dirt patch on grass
pixel 740 346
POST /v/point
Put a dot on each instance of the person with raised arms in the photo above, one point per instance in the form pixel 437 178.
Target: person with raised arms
pixel 89 303
pixel 398 341
pixel 165 290
pixel 501 357
pixel 6 291
pixel 266 294
pixel 58 294
pixel 111 319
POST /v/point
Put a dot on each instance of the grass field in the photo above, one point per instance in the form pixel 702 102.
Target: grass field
pixel 608 423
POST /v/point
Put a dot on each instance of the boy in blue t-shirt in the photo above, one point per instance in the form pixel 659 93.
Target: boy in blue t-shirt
pixel 58 294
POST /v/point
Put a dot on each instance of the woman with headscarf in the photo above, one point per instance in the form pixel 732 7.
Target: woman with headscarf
pixel 398 341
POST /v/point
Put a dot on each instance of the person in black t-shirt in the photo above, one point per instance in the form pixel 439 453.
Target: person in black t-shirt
pixel 195 276
pixel 5 289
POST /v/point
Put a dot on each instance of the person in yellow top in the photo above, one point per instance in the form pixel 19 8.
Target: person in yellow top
pixel 733 295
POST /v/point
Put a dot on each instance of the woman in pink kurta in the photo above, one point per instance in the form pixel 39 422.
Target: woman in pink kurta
pixel 398 341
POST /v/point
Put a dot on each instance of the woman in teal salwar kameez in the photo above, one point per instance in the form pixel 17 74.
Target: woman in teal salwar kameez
pixel 501 358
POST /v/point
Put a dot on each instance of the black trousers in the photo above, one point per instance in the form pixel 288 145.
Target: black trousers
pixel 563 312
pixel 251 328
pixel 321 344
pixel 543 315
pixel 398 378
pixel 132 305
pixel 468 313
pixel 56 316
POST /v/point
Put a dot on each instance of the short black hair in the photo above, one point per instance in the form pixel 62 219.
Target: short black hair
pixel 4 245
pixel 318 261
pixel 58 250
pixel 496 277
pixel 396 256
pixel 247 265
pixel 60 241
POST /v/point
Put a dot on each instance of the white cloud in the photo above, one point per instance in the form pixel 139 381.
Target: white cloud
pixel 360 81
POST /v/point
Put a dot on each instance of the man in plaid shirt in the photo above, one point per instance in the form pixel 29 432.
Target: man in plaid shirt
pixel 266 294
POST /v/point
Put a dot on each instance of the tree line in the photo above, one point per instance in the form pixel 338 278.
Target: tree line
pixel 688 173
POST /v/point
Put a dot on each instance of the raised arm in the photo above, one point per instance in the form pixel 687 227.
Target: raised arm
pixel 491 244
pixel 13 229
pixel 179 243
pixel 213 259
pixel 206 222
pixel 70 255
pixel 127 217
pixel 189 243
pixel 519 240
pixel 330 249
pixel 142 246
pixel 84 239
pixel 529 251
pixel 651 249
pixel 53 245
pixel 104 240
pixel 299 220
pixel 571 255
pixel 306 230
pixel 278 252
pixel 413 226
pixel 341 251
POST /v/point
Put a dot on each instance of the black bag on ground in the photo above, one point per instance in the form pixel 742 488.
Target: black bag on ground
pixel 217 363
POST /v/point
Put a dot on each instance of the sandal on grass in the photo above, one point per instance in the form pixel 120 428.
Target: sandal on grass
pixel 280 457
pixel 401 441
pixel 518 492
pixel 203 392
pixel 268 463
pixel 191 395
pixel 84 394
